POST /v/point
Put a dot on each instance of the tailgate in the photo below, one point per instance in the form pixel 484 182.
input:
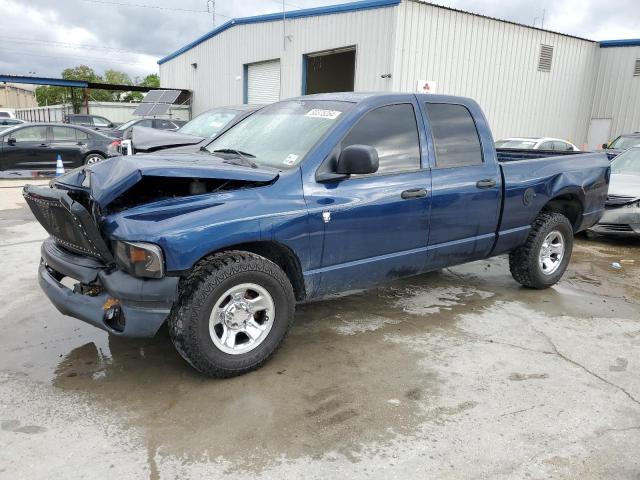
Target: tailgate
pixel 67 221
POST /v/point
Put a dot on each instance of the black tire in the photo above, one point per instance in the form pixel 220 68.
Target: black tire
pixel 93 155
pixel 198 294
pixel 523 261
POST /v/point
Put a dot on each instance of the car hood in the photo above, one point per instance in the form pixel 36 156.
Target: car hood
pixel 110 179
pixel 149 139
pixel 624 185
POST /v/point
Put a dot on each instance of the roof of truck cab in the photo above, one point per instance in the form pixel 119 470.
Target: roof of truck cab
pixel 356 97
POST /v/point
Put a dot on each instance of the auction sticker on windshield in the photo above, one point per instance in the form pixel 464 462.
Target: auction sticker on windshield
pixel 320 113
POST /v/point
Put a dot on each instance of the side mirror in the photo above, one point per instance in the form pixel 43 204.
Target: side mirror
pixel 111 125
pixel 358 160
pixel 11 141
pixel 605 145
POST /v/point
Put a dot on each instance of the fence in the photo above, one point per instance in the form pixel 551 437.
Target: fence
pixel 117 112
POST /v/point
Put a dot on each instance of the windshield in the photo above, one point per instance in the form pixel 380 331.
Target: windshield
pixel 519 144
pixel 208 124
pixel 627 163
pixel 281 134
pixel 124 126
pixel 625 142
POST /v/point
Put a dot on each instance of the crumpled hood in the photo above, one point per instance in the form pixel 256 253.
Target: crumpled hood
pixel 145 138
pixel 111 178
pixel 624 185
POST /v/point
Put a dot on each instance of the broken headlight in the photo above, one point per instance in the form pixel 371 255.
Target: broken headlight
pixel 140 259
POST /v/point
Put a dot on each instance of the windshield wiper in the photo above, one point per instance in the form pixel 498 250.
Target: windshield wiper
pixel 243 161
pixel 240 153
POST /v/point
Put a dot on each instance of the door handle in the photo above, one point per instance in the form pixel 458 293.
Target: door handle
pixel 486 183
pixel 414 193
pixel 43 145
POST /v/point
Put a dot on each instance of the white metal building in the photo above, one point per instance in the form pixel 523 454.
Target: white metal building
pixel 529 81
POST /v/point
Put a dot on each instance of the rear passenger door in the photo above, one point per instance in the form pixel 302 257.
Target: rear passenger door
pixel 65 143
pixel 466 188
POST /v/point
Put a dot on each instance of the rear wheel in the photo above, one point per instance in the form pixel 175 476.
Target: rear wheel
pixel 543 259
pixel 233 313
pixel 92 158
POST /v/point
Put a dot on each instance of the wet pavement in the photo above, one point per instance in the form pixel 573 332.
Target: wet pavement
pixel 455 374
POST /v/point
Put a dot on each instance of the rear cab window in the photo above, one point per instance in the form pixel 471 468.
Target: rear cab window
pixel 455 136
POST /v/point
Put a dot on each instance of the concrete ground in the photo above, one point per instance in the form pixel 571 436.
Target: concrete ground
pixel 458 374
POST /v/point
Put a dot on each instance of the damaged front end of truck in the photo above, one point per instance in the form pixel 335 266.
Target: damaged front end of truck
pixel 119 282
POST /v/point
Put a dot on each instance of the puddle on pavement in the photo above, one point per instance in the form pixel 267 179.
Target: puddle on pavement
pixel 344 383
pixel 336 387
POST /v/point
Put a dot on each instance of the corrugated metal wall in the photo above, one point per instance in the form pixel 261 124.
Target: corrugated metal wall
pixel 218 79
pixel 492 61
pixel 617 93
pixel 496 63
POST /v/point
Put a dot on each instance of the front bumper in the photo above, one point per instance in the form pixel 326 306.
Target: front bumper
pixel 621 221
pixel 142 304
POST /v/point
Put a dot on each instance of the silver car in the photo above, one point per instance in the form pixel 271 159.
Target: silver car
pixel 622 208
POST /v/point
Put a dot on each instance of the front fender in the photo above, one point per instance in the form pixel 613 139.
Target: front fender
pixel 190 228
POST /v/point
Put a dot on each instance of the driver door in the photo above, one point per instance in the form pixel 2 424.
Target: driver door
pixel 376 225
pixel 31 150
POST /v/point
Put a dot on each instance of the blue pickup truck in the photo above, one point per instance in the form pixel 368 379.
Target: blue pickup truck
pixel 305 198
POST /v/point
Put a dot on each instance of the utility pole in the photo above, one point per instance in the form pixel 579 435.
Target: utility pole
pixel 544 11
pixel 211 8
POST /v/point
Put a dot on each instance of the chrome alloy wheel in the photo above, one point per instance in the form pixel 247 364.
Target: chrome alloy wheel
pixel 241 318
pixel 551 252
pixel 91 159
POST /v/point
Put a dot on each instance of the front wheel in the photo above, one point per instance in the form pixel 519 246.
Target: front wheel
pixel 543 259
pixel 234 311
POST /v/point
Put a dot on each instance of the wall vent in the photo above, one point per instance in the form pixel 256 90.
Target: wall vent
pixel 546 57
pixel 636 68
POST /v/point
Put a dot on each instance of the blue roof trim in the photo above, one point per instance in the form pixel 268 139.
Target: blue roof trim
pixel 60 82
pixel 631 42
pixel 272 17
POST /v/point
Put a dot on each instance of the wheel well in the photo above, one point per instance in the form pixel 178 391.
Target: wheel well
pixel 103 155
pixel 568 205
pixel 282 256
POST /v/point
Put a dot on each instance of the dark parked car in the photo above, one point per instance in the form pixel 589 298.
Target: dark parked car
pixel 95 122
pixel 621 143
pixel 305 198
pixel 193 135
pixel 124 130
pixel 35 147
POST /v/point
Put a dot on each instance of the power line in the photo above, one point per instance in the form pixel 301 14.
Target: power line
pixel 139 5
pixel 89 59
pixel 5 38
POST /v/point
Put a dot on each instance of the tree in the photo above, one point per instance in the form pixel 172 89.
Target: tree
pixel 152 80
pixel 51 95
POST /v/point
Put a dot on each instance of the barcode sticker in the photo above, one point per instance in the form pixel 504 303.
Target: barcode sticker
pixel 320 113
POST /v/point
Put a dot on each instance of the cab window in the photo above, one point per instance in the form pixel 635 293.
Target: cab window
pixel 392 130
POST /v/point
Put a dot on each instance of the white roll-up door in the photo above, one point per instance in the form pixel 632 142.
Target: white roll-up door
pixel 263 82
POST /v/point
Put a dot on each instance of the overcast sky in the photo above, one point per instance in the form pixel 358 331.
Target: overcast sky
pixel 43 37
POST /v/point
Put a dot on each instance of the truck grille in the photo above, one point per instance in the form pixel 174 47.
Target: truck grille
pixel 67 221
pixel 614 200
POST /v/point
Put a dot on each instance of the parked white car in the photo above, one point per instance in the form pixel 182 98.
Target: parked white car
pixel 7 113
pixel 537 143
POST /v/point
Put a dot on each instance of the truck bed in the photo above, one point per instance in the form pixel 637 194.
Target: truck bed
pixel 531 182
pixel 514 154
